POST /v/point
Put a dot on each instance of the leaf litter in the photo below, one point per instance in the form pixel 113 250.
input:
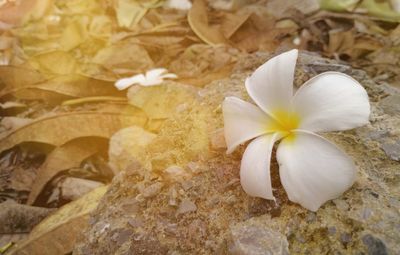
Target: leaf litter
pixel 59 61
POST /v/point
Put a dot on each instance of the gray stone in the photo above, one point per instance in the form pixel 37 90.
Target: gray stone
pixel 186 206
pixel 375 246
pixel 392 149
pixel 247 238
pixel 152 190
pixel 391 105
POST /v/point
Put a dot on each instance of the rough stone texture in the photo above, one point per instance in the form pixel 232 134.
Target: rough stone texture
pixel 125 144
pixel 364 220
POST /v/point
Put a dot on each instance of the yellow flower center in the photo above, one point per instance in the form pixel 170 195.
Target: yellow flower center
pixel 286 122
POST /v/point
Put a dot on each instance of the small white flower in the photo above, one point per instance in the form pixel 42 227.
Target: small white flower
pixel 312 169
pixel 151 78
pixel 178 4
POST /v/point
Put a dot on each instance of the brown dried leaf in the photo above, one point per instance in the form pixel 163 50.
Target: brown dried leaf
pixel 124 55
pixel 61 128
pixel 198 21
pixel 13 76
pixel 67 156
pixel 57 233
pixel 233 21
pixel 66 85
pixel 57 62
pixel 18 218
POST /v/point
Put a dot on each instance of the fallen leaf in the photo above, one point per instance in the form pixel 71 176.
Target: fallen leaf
pixel 198 21
pixel 334 5
pixel 18 218
pixel 12 123
pixel 12 76
pixel 94 99
pixel 61 128
pixel 73 35
pixel 67 156
pixel 56 62
pixel 22 178
pixel 73 188
pixel 129 13
pixel 124 55
pixel 282 8
pixel 8 105
pixel 65 85
pixel 232 22
pixel 57 233
pixel 380 9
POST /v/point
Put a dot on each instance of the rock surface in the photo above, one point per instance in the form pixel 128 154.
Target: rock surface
pixel 219 218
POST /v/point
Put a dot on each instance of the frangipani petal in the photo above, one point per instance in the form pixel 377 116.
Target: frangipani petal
pixel 242 121
pixel 169 76
pixel 255 168
pixel 157 76
pixel 124 83
pixel 331 101
pixel 155 73
pixel 313 170
pixel 271 85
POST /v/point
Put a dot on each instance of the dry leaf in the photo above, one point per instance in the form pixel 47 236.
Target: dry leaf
pixel 22 178
pixel 73 35
pixel 8 105
pixel 198 21
pixel 129 13
pixel 61 128
pixel 124 55
pixel 57 233
pixel 233 21
pixel 67 156
pixel 67 85
pixel 94 99
pixel 11 123
pixel 18 218
pixel 335 5
pixel 57 62
pixel 73 188
pixel 12 76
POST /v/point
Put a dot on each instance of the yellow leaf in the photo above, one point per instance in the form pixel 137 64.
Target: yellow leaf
pixel 94 99
pixel 67 156
pixel 67 85
pixel 61 128
pixel 124 55
pixel 57 62
pixel 129 12
pixel 198 21
pixel 57 233
pixel 73 35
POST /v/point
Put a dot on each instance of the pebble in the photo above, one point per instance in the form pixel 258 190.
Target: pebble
pixel 375 246
pixel 217 139
pixel 257 240
pixel 152 190
pixel 176 173
pixel 392 150
pixel 186 206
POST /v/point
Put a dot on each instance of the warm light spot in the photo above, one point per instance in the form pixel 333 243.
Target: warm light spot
pixel 285 123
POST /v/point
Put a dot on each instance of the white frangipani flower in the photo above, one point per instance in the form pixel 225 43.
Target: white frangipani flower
pixel 151 78
pixel 312 169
